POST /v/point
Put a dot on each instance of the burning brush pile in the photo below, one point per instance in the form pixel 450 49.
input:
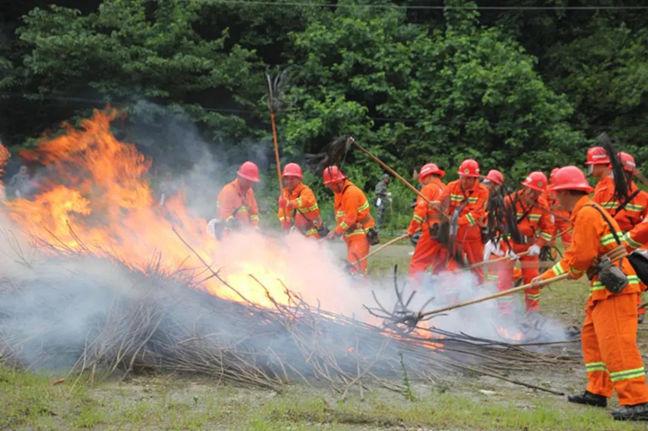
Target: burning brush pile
pixel 80 291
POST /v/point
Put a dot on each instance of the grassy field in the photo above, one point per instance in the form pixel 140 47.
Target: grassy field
pixel 31 401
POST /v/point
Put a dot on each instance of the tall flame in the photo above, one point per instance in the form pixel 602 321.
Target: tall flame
pixel 94 197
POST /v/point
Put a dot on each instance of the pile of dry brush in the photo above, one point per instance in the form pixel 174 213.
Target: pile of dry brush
pixel 69 316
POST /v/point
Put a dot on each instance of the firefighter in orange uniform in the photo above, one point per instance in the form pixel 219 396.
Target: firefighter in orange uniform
pixel 494 179
pixel 599 166
pixel 237 206
pixel 634 208
pixel 465 200
pixel 298 204
pixel 536 228
pixel 609 332
pixel 560 216
pixel 352 217
pixel 428 251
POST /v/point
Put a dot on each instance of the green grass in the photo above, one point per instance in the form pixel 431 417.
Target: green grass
pixel 28 401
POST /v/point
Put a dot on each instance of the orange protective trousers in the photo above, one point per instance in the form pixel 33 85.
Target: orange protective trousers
pixel 429 253
pixel 357 249
pixel 530 268
pixel 471 251
pixel 610 352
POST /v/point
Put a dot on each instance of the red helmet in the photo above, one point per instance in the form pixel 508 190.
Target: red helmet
pixel 536 181
pixel 249 171
pixel 628 161
pixel 553 172
pixel 597 156
pixel 570 178
pixel 332 174
pixel 495 177
pixel 469 168
pixel 430 169
pixel 292 170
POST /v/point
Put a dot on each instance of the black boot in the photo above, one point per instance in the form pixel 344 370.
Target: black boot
pixel 589 399
pixel 638 412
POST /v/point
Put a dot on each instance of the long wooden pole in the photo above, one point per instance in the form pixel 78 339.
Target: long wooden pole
pixel 382 247
pixel 386 167
pixel 497 295
pixel 273 123
pixel 614 254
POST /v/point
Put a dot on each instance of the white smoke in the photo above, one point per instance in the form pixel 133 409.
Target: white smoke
pixel 82 289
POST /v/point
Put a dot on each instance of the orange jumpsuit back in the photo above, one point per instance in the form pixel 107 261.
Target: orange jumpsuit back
pixel 472 204
pixel 233 203
pixel 534 223
pixel 429 253
pixel 634 211
pixel 609 332
pixel 302 211
pixel 353 219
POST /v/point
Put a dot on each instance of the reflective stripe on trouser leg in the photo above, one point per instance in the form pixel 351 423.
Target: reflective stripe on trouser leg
pixel 357 248
pixel 598 379
pixel 615 325
pixel 504 271
pixel 530 270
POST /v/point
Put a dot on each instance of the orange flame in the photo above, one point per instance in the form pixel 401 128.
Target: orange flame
pixel 94 197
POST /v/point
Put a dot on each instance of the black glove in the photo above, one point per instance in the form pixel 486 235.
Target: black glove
pixel 372 236
pixel 323 231
pixel 232 223
pixel 414 238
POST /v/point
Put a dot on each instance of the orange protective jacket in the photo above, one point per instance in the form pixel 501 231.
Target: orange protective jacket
pixel 301 210
pixel 592 238
pixel 634 211
pixel 233 203
pixel 534 221
pixel 473 214
pixel 352 212
pixel 426 214
pixel 638 236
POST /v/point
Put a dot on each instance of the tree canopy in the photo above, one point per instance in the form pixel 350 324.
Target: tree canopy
pixel 516 89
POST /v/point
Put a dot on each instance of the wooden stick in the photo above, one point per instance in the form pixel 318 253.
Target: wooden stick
pixel 273 123
pixel 382 247
pixel 524 253
pixel 499 259
pixel 386 167
pixel 498 294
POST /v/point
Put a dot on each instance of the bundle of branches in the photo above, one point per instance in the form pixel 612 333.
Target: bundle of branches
pixel 99 317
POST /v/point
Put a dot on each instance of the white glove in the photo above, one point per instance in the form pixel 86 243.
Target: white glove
pixel 491 248
pixel 211 227
pixel 534 250
pixel 511 255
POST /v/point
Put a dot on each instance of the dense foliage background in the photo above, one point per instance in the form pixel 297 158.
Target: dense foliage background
pixel 517 88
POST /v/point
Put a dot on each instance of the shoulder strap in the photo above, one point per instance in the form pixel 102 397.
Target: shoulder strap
pixel 609 223
pixel 627 200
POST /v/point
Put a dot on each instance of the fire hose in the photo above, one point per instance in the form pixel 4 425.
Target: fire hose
pixel 615 254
